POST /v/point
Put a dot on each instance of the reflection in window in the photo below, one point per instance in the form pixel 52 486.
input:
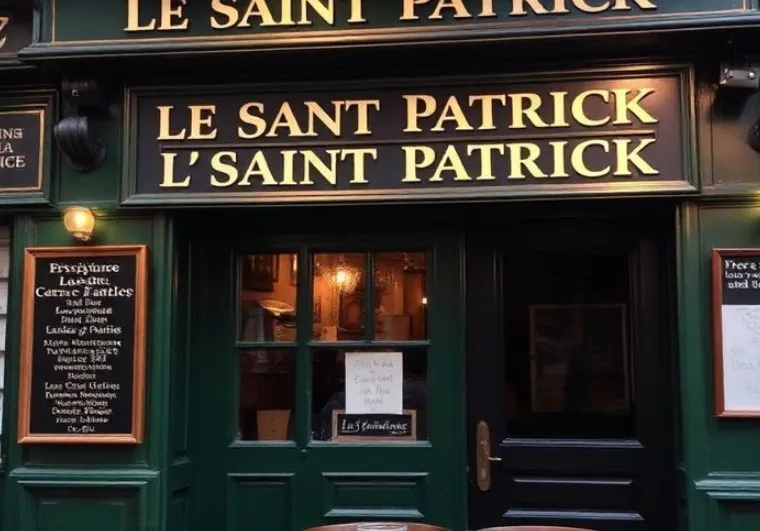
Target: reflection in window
pixel 401 305
pixel 267 395
pixel 268 297
pixel 338 296
pixel 331 421
pixel 567 359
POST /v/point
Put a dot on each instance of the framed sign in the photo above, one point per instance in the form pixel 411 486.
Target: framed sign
pixel 374 427
pixel 83 345
pixel 736 331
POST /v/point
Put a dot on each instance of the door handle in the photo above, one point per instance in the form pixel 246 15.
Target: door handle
pixel 483 458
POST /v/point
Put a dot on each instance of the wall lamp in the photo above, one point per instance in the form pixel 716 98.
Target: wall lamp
pixel 73 133
pixel 80 222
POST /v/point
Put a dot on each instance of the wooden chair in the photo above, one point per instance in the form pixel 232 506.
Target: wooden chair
pixel 411 526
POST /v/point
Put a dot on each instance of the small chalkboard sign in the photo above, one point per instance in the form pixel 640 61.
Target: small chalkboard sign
pixel 374 427
pixel 83 345
pixel 736 331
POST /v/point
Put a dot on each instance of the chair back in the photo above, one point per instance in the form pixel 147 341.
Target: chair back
pixel 411 526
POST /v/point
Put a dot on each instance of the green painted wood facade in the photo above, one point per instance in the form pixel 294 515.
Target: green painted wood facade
pixel 164 485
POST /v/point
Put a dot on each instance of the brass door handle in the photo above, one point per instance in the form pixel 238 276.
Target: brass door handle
pixel 483 456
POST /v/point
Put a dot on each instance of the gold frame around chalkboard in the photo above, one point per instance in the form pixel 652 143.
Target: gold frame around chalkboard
pixel 718 255
pixel 135 436
pixel 353 438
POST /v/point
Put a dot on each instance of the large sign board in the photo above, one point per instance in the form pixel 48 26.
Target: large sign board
pixel 616 133
pixel 83 345
pixel 147 25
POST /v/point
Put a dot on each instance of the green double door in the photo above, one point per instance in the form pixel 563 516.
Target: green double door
pixel 277 439
pixel 534 370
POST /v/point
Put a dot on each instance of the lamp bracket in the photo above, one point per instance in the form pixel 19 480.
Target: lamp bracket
pixel 82 100
pixel 740 75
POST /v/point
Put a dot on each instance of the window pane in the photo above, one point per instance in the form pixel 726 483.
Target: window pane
pixel 376 382
pixel 339 305
pixel 267 395
pixel 268 297
pixel 401 305
pixel 567 358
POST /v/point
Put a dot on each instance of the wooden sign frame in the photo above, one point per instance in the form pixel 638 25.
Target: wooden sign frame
pixel 718 256
pixel 135 436
pixel 355 438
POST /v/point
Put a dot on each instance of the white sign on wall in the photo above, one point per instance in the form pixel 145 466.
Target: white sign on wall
pixel 374 383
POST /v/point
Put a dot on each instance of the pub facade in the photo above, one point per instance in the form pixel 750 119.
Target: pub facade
pixel 280 264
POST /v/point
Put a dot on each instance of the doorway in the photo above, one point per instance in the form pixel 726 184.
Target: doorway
pixel 570 391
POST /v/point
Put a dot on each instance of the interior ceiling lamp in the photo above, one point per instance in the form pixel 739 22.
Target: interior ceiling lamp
pixel 80 222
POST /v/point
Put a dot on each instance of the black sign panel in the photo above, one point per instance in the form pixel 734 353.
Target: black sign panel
pixel 22 147
pixel 471 139
pixel 15 31
pixel 374 426
pixel 84 345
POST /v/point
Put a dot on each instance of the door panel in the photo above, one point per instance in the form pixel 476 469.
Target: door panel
pixel 568 367
pixel 269 355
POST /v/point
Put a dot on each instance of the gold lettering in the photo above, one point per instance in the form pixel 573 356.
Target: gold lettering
pixel 558 154
pixel 459 10
pixel 356 12
pixel 167 14
pixel 624 156
pixel 408 11
pixel 519 111
pixel 486 108
pixel 560 7
pixel 330 122
pixel 4 21
pixel 487 9
pixel 578 162
pixel 518 7
pixel 259 166
pixel 202 116
pixel 452 111
pixel 258 123
pixel 623 107
pixel 325 11
pixel 288 174
pixel 312 160
pixel 168 177
pixel 559 109
pixel 358 156
pixel 579 113
pixel 260 9
pixel 517 160
pixel 413 113
pixel 362 114
pixel 164 124
pixel 285 118
pixel 486 154
pixel 584 6
pixel 451 161
pixel 622 5
pixel 220 8
pixel 227 168
pixel 412 164
pixel 133 18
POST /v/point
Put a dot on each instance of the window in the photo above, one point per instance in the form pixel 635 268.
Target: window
pixel 365 345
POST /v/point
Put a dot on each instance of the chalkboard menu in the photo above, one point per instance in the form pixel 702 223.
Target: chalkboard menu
pixel 736 332
pixel 83 345
pixel 369 427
